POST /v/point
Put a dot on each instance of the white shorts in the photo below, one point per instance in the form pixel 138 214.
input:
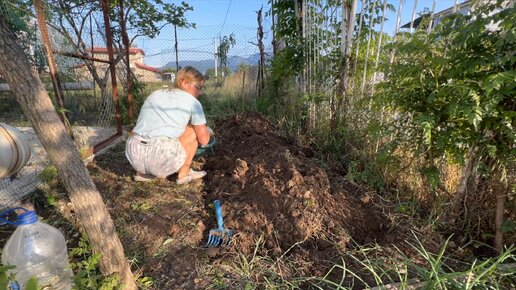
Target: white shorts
pixel 159 156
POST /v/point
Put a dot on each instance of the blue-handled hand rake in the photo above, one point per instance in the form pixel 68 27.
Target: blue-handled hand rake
pixel 220 236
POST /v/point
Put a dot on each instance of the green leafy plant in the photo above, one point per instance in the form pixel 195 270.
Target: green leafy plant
pixel 455 87
pixel 49 174
pixel 226 43
pixel 86 265
pixel 449 95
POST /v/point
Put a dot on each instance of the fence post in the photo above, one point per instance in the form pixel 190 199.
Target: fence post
pixel 112 68
pixel 56 83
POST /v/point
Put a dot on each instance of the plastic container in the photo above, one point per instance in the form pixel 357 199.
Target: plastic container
pixel 37 250
pixel 15 151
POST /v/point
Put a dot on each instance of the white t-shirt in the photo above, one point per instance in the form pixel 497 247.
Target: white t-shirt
pixel 166 113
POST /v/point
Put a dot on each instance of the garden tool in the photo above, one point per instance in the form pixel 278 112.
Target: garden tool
pixel 220 236
pixel 201 150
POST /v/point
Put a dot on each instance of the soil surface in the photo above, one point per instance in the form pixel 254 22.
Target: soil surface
pixel 275 197
pixel 283 206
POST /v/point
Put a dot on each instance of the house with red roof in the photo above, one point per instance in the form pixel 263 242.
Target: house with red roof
pixel 143 72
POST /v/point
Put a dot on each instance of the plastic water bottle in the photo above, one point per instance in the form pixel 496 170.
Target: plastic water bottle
pixel 39 251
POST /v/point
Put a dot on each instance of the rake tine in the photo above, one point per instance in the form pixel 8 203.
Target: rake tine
pixel 211 240
pixel 228 238
pixel 219 236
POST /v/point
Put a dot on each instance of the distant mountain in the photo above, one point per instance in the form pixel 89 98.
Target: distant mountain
pixel 204 65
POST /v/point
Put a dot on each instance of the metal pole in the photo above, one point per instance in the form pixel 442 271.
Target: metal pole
pixel 413 16
pixel 397 29
pixel 431 18
pixel 343 27
pixel 351 27
pixel 54 75
pixel 371 29
pixel 378 52
pixel 112 68
pixel 358 35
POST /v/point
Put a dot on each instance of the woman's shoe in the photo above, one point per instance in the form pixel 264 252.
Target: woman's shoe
pixel 144 178
pixel 191 176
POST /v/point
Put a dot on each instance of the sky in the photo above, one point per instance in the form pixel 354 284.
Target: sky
pixel 213 18
pixel 219 18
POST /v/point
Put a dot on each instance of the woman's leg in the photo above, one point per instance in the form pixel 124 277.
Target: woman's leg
pixel 189 142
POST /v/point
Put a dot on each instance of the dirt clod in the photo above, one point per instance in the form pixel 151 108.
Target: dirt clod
pixel 212 252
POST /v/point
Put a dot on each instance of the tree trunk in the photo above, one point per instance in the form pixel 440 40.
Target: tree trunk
pixel 35 103
pixel 127 47
pixel 466 177
pixel 500 189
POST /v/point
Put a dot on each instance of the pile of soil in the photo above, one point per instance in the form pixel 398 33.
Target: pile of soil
pixel 273 189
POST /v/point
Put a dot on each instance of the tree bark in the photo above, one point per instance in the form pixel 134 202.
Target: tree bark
pixel 465 180
pixel 500 189
pixel 35 103
pixel 127 47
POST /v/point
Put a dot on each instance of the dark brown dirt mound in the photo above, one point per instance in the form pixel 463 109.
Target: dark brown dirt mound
pixel 271 188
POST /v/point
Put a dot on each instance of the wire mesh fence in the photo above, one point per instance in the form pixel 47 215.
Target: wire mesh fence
pixel 330 45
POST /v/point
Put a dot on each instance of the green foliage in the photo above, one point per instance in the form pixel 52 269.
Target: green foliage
pixel 145 282
pixel 147 16
pixel 138 91
pixel 4 279
pixel 32 284
pixel 49 174
pixel 287 63
pixel 86 265
pixel 225 44
pixel 455 88
pixel 364 172
pixel 18 15
pixel 176 14
pixel 289 60
pixel 426 271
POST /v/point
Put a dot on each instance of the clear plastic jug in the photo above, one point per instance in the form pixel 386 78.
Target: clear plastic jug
pixel 37 250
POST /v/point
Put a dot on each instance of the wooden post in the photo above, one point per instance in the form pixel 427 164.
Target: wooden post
pixel 261 48
pixel 127 47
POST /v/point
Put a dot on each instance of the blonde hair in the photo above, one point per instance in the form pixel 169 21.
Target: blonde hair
pixel 190 74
